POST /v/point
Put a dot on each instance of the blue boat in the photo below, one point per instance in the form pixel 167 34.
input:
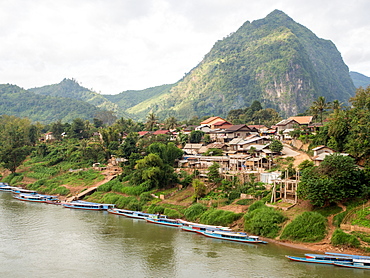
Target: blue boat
pixel 87 205
pixel 199 228
pixel 6 187
pixel 164 221
pixel 40 198
pixel 353 265
pixel 30 197
pixel 17 190
pixel 309 260
pixel 329 257
pixel 134 214
pixel 349 255
pixel 231 236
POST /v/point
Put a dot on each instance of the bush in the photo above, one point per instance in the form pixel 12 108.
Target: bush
pixel 171 213
pixel 263 221
pixel 155 209
pixel 146 197
pixel 244 202
pixel 341 238
pixel 133 190
pixel 193 212
pixel 307 227
pixel 256 205
pixel 219 217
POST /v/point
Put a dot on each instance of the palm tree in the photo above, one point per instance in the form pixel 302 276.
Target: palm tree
pixel 320 105
pixel 151 121
pixel 336 105
pixel 171 123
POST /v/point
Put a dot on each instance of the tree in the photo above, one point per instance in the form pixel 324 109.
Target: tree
pixel 213 173
pixel 196 136
pixel 336 179
pixel 199 189
pixel 320 105
pixel 151 122
pixel 11 158
pixel 170 123
pixel 276 146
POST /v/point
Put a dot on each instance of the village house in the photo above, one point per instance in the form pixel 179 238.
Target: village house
pixel 216 123
pixel 234 131
pixel 193 149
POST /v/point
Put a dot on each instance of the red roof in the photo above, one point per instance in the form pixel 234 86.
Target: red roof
pixel 161 132
pixel 142 133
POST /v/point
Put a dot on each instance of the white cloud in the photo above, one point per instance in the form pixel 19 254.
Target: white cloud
pixel 117 45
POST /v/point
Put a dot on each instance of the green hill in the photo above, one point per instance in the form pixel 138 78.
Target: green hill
pixel 45 109
pixel 360 80
pixel 274 60
pixel 69 88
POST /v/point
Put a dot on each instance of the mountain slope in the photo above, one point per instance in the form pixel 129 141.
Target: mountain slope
pixel 360 80
pixel 69 88
pixel 274 60
pixel 45 109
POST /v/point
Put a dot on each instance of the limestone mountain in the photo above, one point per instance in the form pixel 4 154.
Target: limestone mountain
pixel 274 60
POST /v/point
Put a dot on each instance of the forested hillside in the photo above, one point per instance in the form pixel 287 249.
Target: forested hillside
pixel 274 60
pixel 45 109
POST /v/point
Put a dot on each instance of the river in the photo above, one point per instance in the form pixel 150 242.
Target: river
pixel 43 240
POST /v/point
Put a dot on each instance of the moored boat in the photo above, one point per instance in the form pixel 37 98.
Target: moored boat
pixel 348 255
pixel 309 260
pixel 353 265
pixel 30 197
pixel 329 257
pixel 18 190
pixel 87 205
pixel 231 236
pixel 6 187
pixel 134 214
pixel 164 221
pixel 199 228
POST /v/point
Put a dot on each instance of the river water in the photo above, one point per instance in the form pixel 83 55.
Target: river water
pixel 41 240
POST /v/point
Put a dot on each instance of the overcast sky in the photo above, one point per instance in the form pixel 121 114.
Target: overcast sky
pixel 115 45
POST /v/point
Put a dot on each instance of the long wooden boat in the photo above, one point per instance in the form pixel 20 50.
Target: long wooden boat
pixel 199 228
pixel 309 260
pixel 134 214
pixel 349 255
pixel 164 221
pixel 6 187
pixel 231 236
pixel 87 205
pixel 40 198
pixel 329 257
pixel 353 265
pixel 30 197
pixel 18 190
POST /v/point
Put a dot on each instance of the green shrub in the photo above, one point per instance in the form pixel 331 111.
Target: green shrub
pixel 244 202
pixel 219 217
pixel 133 190
pixel 233 195
pixel 155 209
pixel 341 238
pixel 256 205
pixel 145 197
pixel 307 227
pixel 362 218
pixel 263 221
pixel 171 213
pixel 193 212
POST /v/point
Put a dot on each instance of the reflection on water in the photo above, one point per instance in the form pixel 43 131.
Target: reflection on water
pixel 41 240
